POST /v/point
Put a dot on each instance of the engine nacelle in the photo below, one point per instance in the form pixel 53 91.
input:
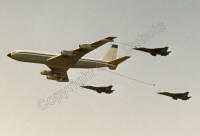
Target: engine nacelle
pixel 62 80
pixel 51 78
pixel 46 72
pixel 86 46
pixel 67 53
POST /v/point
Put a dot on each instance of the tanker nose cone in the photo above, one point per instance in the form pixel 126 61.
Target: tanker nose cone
pixel 9 55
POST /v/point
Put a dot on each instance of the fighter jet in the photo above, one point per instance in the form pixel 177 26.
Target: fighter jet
pixel 59 64
pixel 175 96
pixel 154 51
pixel 106 89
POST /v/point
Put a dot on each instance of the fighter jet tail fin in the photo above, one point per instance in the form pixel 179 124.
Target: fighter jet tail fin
pixel 116 62
pixel 186 93
pixel 111 54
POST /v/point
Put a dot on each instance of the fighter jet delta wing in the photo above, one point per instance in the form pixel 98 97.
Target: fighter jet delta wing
pixel 166 93
pixel 75 55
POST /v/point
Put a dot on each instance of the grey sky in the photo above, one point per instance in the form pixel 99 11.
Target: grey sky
pixel 134 109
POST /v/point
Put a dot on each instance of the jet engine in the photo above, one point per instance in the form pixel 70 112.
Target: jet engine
pixel 67 53
pixel 62 80
pixel 86 46
pixel 52 78
pixel 46 72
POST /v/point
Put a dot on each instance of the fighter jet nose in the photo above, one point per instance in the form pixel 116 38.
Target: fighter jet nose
pixel 9 55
